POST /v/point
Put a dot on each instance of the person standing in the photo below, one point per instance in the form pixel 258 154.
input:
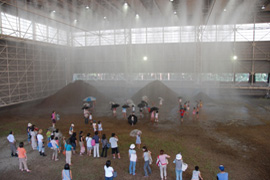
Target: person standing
pixel 12 143
pixel 178 166
pixel 156 116
pixel 33 134
pixel 68 148
pixel 66 173
pixel 73 142
pixel 100 129
pixel 104 145
pixel 132 159
pixel 108 170
pixel 29 125
pixel 222 175
pixel 22 157
pixel 89 146
pixel 71 129
pixel 96 146
pixel 40 140
pixel 55 148
pixel 124 111
pixel 86 115
pixel 196 174
pixel 138 140
pixel 53 117
pixel 81 143
pixel 162 161
pixel 147 158
pixel 113 140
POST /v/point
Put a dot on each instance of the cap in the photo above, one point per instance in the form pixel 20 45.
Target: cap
pixel 132 146
pixel 29 124
pixel 221 167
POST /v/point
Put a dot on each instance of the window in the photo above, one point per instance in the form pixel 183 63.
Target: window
pixel 79 39
pixel 244 32
pixel 62 37
pixel 209 33
pixel 138 36
pixel 121 36
pixel 52 35
pixel 225 33
pixel 10 25
pixel 172 34
pixel 262 32
pixel 241 77
pixel 261 77
pixel 188 34
pixel 92 38
pixel 26 29
pixel 107 37
pixel 155 35
pixel 41 32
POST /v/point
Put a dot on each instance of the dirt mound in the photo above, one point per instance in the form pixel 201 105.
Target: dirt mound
pixel 153 91
pixel 202 96
pixel 72 95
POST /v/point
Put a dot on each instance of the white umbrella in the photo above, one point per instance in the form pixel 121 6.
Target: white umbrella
pixel 134 132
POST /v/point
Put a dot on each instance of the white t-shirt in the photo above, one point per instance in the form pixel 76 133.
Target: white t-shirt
pixel 108 171
pixel 195 175
pixel 113 142
pixel 88 141
pixel 39 137
pixel 11 138
pixel 132 155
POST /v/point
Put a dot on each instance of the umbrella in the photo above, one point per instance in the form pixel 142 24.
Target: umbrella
pixel 134 132
pixel 153 109
pixel 145 103
pixel 125 106
pixel 160 98
pixel 90 99
pixel 115 105
pixel 132 119
pixel 141 105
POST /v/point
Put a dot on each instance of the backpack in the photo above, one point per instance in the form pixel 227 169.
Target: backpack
pixel 93 142
pixel 50 145
pixel 108 145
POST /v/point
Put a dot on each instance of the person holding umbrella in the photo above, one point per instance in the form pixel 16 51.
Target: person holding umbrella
pixel 124 110
pixel 114 106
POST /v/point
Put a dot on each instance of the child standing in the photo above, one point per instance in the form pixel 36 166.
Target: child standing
pixel 193 113
pixel 138 140
pixel 196 174
pixel 22 157
pixel 48 134
pixel 114 112
pixel 100 129
pixel 152 116
pixel 89 144
pixel 182 113
pixel 53 118
pixel 90 118
pixel 81 143
pixel 94 126
pixel 55 148
pixel 132 159
pixel 70 132
pixel 156 116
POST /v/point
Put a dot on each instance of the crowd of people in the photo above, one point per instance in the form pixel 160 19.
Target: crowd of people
pixel 90 145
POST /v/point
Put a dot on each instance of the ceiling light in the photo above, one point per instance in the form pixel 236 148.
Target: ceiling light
pixel 224 10
pixel 174 12
pixel 125 4
pixel 105 17
pixel 263 7
pixel 87 7
pixel 75 20
pixel 171 0
pixel 137 16
pixel 54 11
pixel 145 58
pixel 234 57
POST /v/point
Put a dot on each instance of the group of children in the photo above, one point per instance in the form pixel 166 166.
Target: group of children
pixel 184 109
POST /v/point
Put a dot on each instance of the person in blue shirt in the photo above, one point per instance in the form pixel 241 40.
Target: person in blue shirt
pixel 222 175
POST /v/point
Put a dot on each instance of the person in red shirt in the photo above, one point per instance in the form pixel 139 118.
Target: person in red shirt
pixel 22 157
pixel 182 113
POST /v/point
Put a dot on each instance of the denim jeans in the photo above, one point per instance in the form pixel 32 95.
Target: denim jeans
pixel 132 166
pixel 145 167
pixel 108 178
pixel 178 174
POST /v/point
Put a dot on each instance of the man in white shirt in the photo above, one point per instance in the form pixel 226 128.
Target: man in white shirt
pixel 113 140
pixel 40 140
pixel 12 143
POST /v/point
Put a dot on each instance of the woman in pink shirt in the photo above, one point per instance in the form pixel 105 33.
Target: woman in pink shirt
pixel 53 119
pixel 162 161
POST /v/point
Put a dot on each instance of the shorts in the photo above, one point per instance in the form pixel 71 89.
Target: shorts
pixel 53 121
pixel 89 148
pixel 182 116
pixel 115 150
pixel 74 146
pixel 197 112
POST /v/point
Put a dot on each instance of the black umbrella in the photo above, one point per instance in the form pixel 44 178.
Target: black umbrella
pixel 115 105
pixel 132 119
pixel 153 109
pixel 125 106
pixel 145 103
pixel 141 105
